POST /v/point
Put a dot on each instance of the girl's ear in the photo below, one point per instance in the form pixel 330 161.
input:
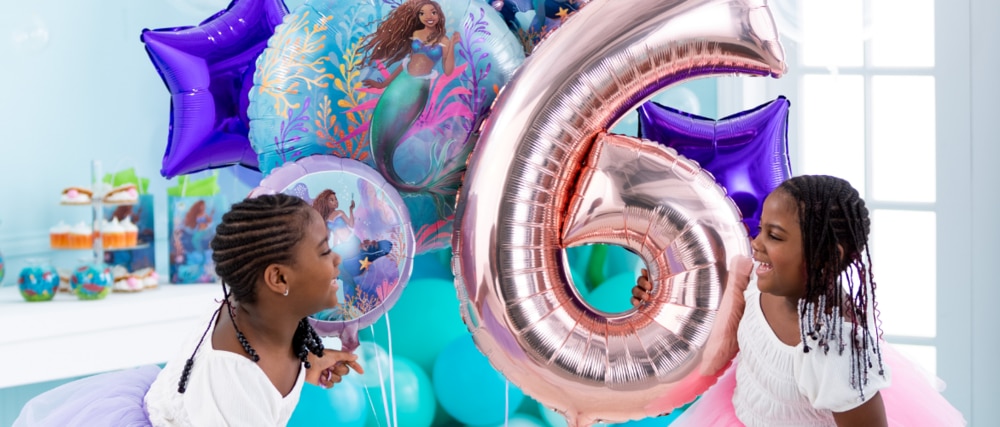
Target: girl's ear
pixel 274 278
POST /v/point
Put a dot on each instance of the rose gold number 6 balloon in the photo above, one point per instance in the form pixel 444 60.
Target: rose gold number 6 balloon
pixel 543 177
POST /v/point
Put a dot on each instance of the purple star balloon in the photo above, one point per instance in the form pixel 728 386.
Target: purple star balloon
pixel 746 152
pixel 208 70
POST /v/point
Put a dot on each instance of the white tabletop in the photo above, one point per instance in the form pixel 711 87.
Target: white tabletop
pixel 68 337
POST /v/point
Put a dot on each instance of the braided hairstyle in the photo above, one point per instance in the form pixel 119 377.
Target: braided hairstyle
pixel 255 233
pixel 835 227
pixel 390 42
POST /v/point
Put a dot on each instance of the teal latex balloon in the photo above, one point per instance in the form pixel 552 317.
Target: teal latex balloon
pixel 554 419
pixel 423 322
pixel 469 388
pixel 343 405
pixel 414 395
pixel 521 420
pixel 614 295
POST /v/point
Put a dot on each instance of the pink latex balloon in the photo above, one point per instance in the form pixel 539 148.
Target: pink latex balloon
pixel 539 181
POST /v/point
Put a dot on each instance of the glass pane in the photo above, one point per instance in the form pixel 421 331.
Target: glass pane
pixel 832 33
pixel 924 356
pixel 904 264
pixel 903 140
pixel 833 127
pixel 903 33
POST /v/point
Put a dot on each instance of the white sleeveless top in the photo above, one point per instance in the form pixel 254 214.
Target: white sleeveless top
pixel 779 385
pixel 223 389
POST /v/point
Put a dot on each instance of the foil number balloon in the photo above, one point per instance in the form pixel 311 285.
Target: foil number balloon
pixel 526 198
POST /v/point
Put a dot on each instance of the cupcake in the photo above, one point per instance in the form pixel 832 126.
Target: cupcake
pixel 76 196
pixel 131 232
pixel 123 194
pixel 113 234
pixel 81 236
pixel 59 236
pixel 92 282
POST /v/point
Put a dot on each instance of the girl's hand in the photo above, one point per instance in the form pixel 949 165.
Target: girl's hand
pixel 642 289
pixel 456 38
pixel 352 205
pixel 331 368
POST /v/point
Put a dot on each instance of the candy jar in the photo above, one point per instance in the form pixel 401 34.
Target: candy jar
pixel 38 282
pixel 92 281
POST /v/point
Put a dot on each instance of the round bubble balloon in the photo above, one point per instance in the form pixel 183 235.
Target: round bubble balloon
pixel 369 228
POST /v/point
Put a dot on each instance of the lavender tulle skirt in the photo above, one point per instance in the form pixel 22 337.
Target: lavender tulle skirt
pixel 912 400
pixel 110 399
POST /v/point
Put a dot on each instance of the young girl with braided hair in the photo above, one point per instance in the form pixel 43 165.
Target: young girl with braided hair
pixel 273 256
pixel 810 351
pixel 248 366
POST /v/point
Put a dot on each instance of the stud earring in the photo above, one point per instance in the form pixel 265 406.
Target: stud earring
pixel 286 291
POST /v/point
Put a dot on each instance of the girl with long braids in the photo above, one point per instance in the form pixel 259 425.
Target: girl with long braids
pixel 414 33
pixel 810 351
pixel 274 259
pixel 248 366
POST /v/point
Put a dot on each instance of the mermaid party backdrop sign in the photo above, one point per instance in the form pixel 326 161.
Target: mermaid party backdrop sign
pixel 368 227
pixel 398 85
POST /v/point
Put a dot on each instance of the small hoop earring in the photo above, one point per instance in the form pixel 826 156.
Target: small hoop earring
pixel 286 291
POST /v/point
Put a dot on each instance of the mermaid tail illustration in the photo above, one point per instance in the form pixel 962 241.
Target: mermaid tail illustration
pixel 400 105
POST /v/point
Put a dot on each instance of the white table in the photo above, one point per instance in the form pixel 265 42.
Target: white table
pixel 67 337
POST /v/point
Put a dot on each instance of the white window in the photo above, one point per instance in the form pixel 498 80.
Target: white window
pixel 870 90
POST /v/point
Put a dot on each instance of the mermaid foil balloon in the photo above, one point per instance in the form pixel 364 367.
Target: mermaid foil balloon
pixel 390 83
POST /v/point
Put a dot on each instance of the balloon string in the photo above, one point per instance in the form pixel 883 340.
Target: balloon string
pixel 506 404
pixel 381 384
pixel 392 378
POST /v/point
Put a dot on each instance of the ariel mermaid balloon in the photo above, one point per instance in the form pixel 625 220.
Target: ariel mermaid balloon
pixel 414 34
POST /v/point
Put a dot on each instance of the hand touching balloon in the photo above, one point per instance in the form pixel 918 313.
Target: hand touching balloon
pixel 330 369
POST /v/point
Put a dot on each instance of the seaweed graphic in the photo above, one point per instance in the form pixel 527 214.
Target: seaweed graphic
pixel 297 120
pixel 296 53
pixel 471 50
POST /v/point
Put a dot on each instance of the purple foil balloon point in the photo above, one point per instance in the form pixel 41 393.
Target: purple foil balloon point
pixel 746 152
pixel 208 70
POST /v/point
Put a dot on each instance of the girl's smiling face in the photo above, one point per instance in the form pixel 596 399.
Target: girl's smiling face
pixel 778 248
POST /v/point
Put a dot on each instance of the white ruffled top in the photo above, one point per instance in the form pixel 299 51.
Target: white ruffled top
pixel 780 385
pixel 223 389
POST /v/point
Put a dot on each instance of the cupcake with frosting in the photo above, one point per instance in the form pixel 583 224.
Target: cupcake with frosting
pixel 81 236
pixel 59 236
pixel 131 232
pixel 113 234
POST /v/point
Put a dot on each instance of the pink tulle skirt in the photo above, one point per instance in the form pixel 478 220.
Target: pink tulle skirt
pixel 912 400
pixel 110 399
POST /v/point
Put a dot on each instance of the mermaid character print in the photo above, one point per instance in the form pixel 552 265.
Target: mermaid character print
pixel 413 34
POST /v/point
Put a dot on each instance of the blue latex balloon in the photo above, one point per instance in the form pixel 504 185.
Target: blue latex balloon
pixel 415 403
pixel 746 152
pixel 469 388
pixel 343 405
pixel 208 70
pixel 424 321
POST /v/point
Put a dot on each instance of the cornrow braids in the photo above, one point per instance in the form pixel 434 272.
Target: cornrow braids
pixel 835 227
pixel 255 233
